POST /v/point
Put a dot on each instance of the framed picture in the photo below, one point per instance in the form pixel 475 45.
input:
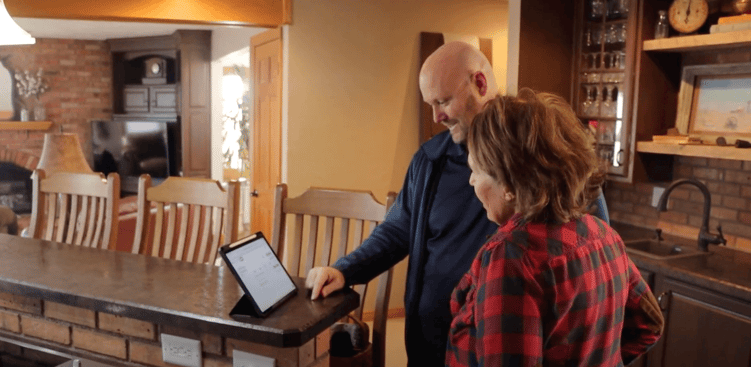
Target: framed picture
pixel 714 101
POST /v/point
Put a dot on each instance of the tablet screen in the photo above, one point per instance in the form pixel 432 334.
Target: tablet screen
pixel 261 272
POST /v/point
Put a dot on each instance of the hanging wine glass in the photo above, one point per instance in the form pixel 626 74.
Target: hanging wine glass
pixel 597 9
pixel 594 107
pixel 584 109
pixel 608 106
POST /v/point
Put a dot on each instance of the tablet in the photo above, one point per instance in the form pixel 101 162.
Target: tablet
pixel 262 277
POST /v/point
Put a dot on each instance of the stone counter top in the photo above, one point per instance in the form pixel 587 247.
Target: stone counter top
pixel 724 270
pixel 190 296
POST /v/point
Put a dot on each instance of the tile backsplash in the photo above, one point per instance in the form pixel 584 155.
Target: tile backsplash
pixel 729 182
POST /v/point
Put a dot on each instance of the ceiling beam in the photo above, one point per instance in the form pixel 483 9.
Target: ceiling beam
pixel 255 13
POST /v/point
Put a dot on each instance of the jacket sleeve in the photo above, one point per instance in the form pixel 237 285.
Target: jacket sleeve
pixel 643 322
pixel 389 242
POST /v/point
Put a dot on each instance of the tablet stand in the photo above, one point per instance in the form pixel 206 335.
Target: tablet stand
pixel 243 310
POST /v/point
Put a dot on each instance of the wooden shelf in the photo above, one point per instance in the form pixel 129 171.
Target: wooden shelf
pixel 703 42
pixel 25 125
pixel 690 150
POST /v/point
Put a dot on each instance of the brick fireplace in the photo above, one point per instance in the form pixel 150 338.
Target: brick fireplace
pixel 79 76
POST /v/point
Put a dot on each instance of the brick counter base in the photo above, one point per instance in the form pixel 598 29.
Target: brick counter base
pixel 124 341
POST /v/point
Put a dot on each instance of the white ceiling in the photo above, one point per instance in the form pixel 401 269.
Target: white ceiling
pixel 102 30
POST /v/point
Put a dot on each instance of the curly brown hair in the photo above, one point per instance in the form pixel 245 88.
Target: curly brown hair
pixel 536 147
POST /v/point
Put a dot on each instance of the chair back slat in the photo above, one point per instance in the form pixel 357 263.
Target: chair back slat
pixel 141 233
pixel 111 215
pixel 179 252
pixel 217 233
pixel 343 236
pixel 50 217
pixel 312 240
pixel 62 217
pixel 171 223
pixel 325 217
pixel 75 208
pixel 156 244
pixel 295 245
pixel 72 218
pixel 199 217
pixel 92 219
pixel 81 221
pixel 206 229
pixel 328 241
pixel 99 222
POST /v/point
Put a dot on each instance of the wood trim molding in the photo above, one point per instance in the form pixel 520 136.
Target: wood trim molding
pixel 257 13
pixel 25 125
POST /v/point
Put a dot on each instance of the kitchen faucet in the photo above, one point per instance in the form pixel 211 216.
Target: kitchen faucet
pixel 705 238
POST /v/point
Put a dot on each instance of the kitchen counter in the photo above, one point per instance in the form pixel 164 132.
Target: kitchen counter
pixel 724 270
pixel 38 277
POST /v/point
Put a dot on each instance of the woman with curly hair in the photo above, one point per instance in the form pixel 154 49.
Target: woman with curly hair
pixel 553 286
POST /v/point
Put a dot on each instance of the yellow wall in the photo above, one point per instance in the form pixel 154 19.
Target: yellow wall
pixel 353 94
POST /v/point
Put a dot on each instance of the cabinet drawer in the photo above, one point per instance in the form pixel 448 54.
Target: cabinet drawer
pixel 164 99
pixel 136 99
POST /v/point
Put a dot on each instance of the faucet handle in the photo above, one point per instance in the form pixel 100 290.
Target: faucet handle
pixel 720 237
pixel 658 232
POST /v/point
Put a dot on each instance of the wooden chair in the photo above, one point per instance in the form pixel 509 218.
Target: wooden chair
pixel 337 210
pixel 208 218
pixel 75 208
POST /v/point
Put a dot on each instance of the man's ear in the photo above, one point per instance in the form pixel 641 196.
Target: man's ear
pixel 479 80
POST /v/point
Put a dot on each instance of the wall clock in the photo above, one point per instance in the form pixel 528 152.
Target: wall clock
pixel 155 71
pixel 687 16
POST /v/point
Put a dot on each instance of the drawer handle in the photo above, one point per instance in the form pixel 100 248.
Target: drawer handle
pixel 663 296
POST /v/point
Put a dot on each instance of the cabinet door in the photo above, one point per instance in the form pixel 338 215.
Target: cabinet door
pixel 606 46
pixel 136 98
pixel 164 99
pixel 702 328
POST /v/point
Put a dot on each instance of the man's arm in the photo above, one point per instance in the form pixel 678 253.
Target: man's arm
pixel 387 244
pixel 599 208
pixel 643 322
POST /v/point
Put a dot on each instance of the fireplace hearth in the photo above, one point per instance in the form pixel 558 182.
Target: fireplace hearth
pixel 15 187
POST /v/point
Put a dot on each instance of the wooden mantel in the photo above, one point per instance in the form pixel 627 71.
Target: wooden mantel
pixel 258 13
pixel 25 125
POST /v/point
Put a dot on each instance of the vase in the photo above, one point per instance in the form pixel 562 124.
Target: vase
pixel 24 114
pixel 40 113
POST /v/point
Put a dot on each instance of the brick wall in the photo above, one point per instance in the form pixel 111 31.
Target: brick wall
pixel 79 76
pixel 124 341
pixel 729 182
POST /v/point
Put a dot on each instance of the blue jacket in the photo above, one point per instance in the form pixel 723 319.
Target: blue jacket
pixel 402 233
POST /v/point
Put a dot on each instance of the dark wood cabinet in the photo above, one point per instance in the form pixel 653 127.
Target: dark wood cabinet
pixel 150 99
pixel 186 96
pixel 702 328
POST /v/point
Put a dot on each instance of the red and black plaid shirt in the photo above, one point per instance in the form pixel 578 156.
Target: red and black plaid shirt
pixel 540 294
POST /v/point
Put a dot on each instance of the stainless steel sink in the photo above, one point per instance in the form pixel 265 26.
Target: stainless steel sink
pixel 661 250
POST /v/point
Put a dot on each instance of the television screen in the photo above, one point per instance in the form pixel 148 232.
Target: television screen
pixel 131 147
pixel 144 149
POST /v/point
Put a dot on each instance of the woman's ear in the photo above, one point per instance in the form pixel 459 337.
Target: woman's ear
pixel 508 195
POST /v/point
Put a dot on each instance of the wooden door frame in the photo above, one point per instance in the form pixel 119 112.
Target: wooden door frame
pixel 255 41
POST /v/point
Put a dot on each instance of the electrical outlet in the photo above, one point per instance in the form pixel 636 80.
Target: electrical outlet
pixel 244 359
pixel 181 351
pixel 656 194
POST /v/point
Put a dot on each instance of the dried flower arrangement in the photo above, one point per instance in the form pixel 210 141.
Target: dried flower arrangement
pixel 29 84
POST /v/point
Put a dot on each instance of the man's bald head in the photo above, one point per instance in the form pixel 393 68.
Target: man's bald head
pixel 457 80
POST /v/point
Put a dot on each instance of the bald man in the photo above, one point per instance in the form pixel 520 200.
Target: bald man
pixel 437 220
